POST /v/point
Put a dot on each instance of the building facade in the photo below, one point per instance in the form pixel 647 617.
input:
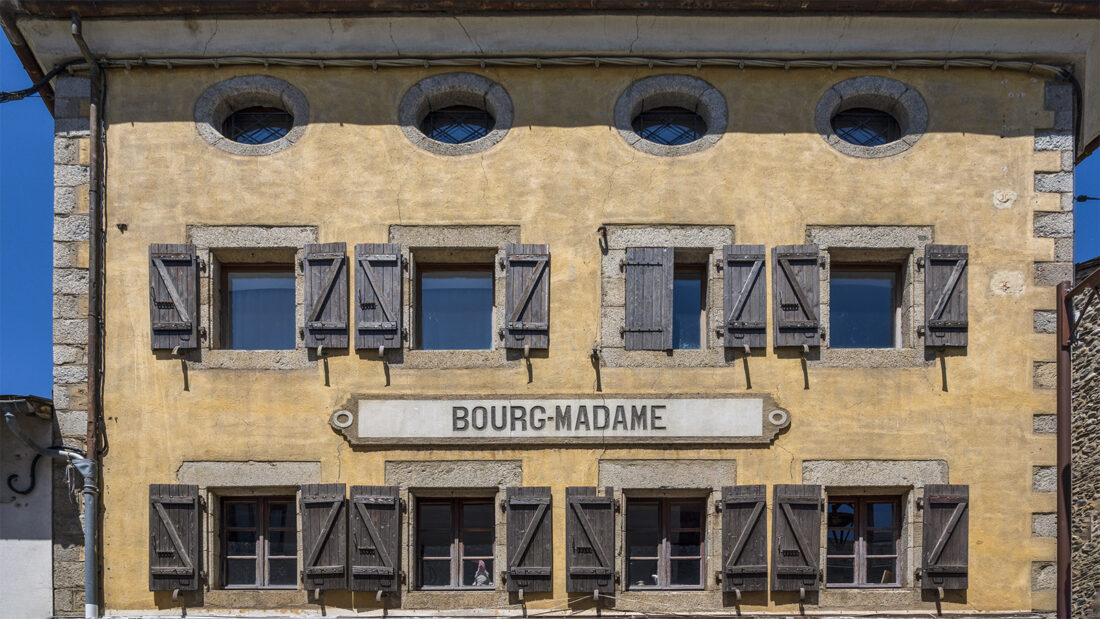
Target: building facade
pixel 507 312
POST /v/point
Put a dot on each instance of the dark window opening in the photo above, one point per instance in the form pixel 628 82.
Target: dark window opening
pixel 455 307
pixel 664 543
pixel 258 307
pixel 862 542
pixel 457 124
pixel 454 543
pixel 257 125
pixel 689 293
pixel 864 303
pixel 865 126
pixel 669 125
pixel 259 543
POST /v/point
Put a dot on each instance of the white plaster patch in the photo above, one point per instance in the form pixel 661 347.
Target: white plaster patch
pixel 1004 198
pixel 1007 283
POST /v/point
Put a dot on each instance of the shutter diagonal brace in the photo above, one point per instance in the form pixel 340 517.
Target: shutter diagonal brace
pixel 587 527
pixel 948 529
pixel 185 317
pixel 743 539
pixel 529 535
pixel 948 289
pixel 372 531
pixel 176 541
pixel 528 290
pixel 326 531
pixel 369 272
pixel 746 288
pixel 803 302
pixel 806 558
pixel 330 284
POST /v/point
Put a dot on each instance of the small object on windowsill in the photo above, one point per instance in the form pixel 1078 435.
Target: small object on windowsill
pixel 481 576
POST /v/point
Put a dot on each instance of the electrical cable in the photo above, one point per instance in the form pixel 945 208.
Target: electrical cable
pixel 16 95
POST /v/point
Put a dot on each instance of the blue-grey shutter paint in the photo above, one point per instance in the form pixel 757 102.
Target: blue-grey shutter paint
pixel 326 295
pixel 175 540
pixel 945 295
pixel 796 301
pixel 173 296
pixel 527 296
pixel 649 280
pixel 745 311
pixel 378 298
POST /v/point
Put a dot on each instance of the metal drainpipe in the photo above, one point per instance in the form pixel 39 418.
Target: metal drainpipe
pixel 1065 410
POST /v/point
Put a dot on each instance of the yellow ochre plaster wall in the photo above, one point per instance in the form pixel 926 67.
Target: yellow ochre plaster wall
pixel 560 172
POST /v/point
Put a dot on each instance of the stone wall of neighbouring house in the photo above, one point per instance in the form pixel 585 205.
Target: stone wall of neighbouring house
pixel 1085 520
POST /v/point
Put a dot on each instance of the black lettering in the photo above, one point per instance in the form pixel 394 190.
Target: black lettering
pixel 596 410
pixel 459 421
pixel 484 421
pixel 519 414
pixel 538 415
pixel 654 417
pixel 638 418
pixel 620 417
pixel 563 419
pixel 582 418
pixel 503 417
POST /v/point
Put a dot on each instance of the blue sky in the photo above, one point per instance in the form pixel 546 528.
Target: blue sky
pixel 26 224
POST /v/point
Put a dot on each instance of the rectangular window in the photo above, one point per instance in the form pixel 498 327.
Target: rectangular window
pixel 258 306
pixel 454 543
pixel 665 543
pixel 689 293
pixel 455 307
pixel 864 306
pixel 863 539
pixel 259 543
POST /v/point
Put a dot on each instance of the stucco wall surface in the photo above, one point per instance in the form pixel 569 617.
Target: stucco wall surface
pixel 561 172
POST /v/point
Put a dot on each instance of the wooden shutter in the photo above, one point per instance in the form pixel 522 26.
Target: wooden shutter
pixel 649 273
pixel 527 296
pixel 378 301
pixel 175 558
pixel 945 296
pixel 173 296
pixel 374 546
pixel 590 540
pixel 796 304
pixel 326 273
pixel 744 538
pixel 745 296
pixel 530 539
pixel 324 528
pixel 946 536
pixel 796 537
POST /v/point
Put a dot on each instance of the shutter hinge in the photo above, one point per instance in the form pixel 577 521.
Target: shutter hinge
pixel 202 265
pixel 718 505
pixel 920 331
pixel 920 262
pixel 920 502
pixel 918 573
pixel 503 505
pixel 618 508
pixel 719 263
pixel 403 507
pixel 202 332
pixel 202 503
pixel 503 263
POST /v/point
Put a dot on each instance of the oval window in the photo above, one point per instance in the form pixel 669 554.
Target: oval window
pixel 457 124
pixel 864 126
pixel 257 125
pixel 669 125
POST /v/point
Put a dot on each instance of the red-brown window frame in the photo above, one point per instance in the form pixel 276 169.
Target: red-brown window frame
pixel 458 552
pixel 859 554
pixel 262 556
pixel 663 558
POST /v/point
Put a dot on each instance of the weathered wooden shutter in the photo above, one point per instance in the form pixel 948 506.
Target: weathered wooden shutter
pixel 378 298
pixel 530 539
pixel 796 537
pixel 374 547
pixel 326 273
pixel 175 522
pixel 796 303
pixel 527 296
pixel 946 536
pixel 590 540
pixel 744 538
pixel 324 529
pixel 945 296
pixel 745 296
pixel 173 296
pixel 649 274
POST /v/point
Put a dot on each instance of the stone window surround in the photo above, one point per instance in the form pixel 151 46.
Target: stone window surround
pixel 900 100
pixel 447 89
pixel 243 244
pixel 891 245
pixel 678 90
pixel 904 478
pixel 695 243
pixel 223 98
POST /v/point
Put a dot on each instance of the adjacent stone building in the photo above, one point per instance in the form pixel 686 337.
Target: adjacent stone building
pixel 492 308
pixel 1086 455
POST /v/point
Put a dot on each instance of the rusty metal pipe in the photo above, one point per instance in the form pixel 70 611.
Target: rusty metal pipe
pixel 1065 411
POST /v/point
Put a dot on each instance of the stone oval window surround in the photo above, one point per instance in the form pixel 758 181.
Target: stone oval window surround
pixel 233 95
pixel 888 96
pixel 455 91
pixel 672 91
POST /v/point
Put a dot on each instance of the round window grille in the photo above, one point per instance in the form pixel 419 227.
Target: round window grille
pixel 671 115
pixel 669 125
pixel 455 113
pixel 871 117
pixel 457 124
pixel 252 115
pixel 865 126
pixel 257 125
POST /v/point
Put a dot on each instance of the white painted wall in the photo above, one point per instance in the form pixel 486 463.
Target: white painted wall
pixel 26 548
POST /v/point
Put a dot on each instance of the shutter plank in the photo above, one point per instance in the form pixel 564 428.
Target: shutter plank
pixel 945 295
pixel 324 534
pixel 530 539
pixel 527 296
pixel 649 281
pixel 796 537
pixel 378 298
pixel 796 302
pixel 745 296
pixel 326 302
pixel 744 538
pixel 173 296
pixel 174 540
pixel 590 540
pixel 374 541
pixel 946 537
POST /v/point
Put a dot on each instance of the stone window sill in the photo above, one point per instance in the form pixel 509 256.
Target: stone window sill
pixel 220 359
pixel 256 598
pixel 871 358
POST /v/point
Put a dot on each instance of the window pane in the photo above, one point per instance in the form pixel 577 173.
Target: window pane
pixel 238 543
pixel 456 309
pixel 240 514
pixel 841 542
pixel 477 515
pixel 641 516
pixel 881 571
pixel 880 514
pixel 478 573
pixel 257 125
pixel 841 514
pixel 685 543
pixel 435 543
pixel 435 573
pixel 840 571
pixel 669 125
pixel 643 543
pixel 684 572
pixel 280 514
pixel 861 309
pixel 866 126
pixel 457 124
pixel 685 515
pixel 642 573
pixel 282 543
pixel 881 542
pixel 282 572
pixel 260 307
pixel 687 308
pixel 477 543
pixel 240 572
